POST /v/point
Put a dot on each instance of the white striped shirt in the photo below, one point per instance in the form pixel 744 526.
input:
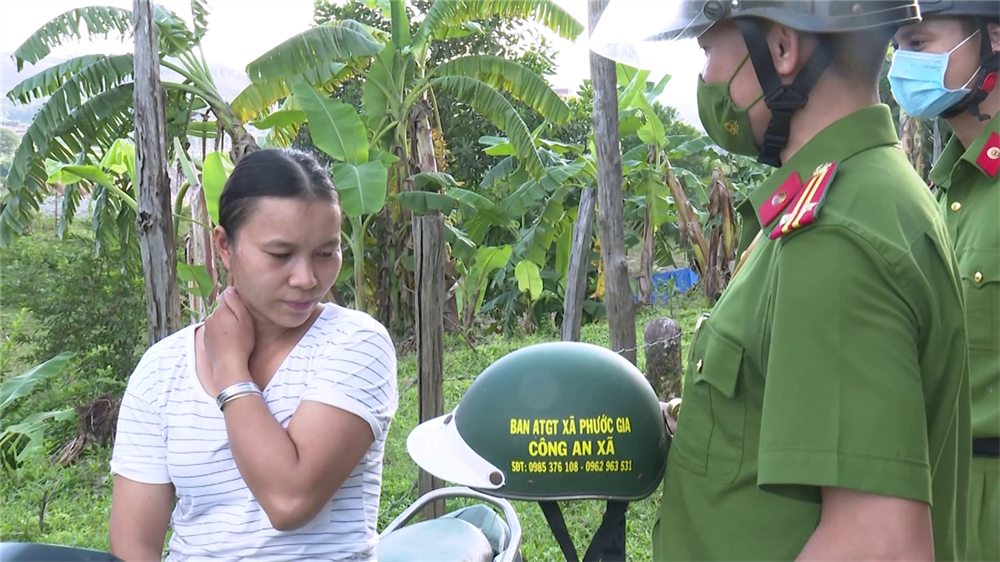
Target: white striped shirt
pixel 171 431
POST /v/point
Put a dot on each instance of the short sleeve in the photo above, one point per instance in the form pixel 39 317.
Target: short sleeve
pixel 843 396
pixel 140 452
pixel 357 373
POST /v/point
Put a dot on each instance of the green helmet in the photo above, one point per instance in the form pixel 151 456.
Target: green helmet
pixel 639 34
pixel 989 9
pixel 634 33
pixel 549 422
pixel 981 12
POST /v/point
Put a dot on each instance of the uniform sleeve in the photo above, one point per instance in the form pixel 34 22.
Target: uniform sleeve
pixel 358 374
pixel 140 451
pixel 843 396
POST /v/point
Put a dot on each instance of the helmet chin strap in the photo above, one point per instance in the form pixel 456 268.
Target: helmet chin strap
pixel 782 99
pixel 989 62
pixel 608 542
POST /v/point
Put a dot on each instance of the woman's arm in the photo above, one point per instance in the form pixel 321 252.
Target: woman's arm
pixel 140 514
pixel 294 474
pixel 347 407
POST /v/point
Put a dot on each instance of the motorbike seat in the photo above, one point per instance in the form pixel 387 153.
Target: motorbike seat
pixel 31 552
pixel 446 539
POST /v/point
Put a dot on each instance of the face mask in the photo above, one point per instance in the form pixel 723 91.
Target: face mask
pixel 917 81
pixel 726 124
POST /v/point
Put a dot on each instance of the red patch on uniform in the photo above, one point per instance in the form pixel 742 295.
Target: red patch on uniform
pixel 781 198
pixel 805 209
pixel 989 82
pixel 989 157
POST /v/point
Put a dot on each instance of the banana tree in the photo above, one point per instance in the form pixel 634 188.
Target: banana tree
pixel 533 217
pixel 20 440
pixel 359 175
pixel 112 182
pixel 399 105
pixel 90 99
pixel 90 96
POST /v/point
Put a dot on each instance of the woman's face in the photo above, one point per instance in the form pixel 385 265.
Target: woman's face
pixel 286 256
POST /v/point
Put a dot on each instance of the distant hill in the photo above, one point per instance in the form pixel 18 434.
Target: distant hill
pixel 230 81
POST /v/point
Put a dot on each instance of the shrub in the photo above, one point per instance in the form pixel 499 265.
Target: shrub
pixel 91 306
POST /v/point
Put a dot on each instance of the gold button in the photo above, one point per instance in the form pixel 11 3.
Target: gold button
pixel 993 153
pixel 978 277
pixel 699 365
pixel 674 407
pixel 956 206
pixel 779 198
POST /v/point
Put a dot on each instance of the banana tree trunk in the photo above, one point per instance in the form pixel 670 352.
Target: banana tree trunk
pixel 358 252
pixel 428 259
pixel 576 280
pixel 937 139
pixel 646 260
pixel 243 143
pixel 722 238
pixel 618 299
pixel 687 224
pixel 912 141
pixel 154 219
pixel 201 251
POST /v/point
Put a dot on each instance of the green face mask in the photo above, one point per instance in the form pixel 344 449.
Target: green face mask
pixel 726 124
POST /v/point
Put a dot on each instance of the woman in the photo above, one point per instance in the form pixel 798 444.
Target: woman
pixel 259 433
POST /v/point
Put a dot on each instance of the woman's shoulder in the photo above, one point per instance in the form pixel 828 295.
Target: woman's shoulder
pixel 164 359
pixel 339 324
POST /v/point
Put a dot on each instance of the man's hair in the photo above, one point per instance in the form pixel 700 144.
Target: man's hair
pixel 860 56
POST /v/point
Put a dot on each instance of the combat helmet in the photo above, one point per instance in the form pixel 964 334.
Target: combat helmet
pixel 554 422
pixel 982 12
pixel 637 33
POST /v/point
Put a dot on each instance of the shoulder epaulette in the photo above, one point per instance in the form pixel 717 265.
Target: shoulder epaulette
pixel 804 209
pixel 989 157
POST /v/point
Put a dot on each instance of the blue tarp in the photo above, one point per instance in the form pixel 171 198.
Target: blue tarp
pixel 681 279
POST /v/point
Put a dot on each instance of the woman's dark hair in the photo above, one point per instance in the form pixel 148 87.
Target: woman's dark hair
pixel 271 172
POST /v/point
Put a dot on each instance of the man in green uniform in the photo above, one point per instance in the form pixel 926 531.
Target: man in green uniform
pixel 826 400
pixel 946 66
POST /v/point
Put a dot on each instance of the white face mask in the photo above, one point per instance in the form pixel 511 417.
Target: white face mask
pixel 917 81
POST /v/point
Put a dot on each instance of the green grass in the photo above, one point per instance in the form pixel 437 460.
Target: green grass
pixel 70 505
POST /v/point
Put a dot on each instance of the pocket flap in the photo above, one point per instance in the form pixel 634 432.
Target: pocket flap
pixel 980 266
pixel 719 362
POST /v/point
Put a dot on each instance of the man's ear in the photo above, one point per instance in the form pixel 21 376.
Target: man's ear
pixel 224 245
pixel 784 44
pixel 994 30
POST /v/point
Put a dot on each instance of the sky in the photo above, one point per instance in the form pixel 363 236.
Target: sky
pixel 236 36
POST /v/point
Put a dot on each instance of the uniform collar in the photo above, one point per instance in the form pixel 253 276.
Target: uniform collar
pixel 983 155
pixel 862 130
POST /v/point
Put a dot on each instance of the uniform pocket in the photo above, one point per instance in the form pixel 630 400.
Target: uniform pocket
pixel 710 425
pixel 981 280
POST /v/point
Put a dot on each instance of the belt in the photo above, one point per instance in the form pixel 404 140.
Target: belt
pixel 986 447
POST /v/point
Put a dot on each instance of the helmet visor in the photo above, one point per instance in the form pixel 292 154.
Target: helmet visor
pixel 437 447
pixel 640 33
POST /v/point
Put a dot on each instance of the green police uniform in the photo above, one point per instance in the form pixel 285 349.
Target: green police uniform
pixel 968 185
pixel 835 357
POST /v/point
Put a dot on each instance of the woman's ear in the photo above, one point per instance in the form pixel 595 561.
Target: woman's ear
pixel 224 245
pixel 785 43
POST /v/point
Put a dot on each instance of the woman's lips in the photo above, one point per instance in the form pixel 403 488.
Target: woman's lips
pixel 299 306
